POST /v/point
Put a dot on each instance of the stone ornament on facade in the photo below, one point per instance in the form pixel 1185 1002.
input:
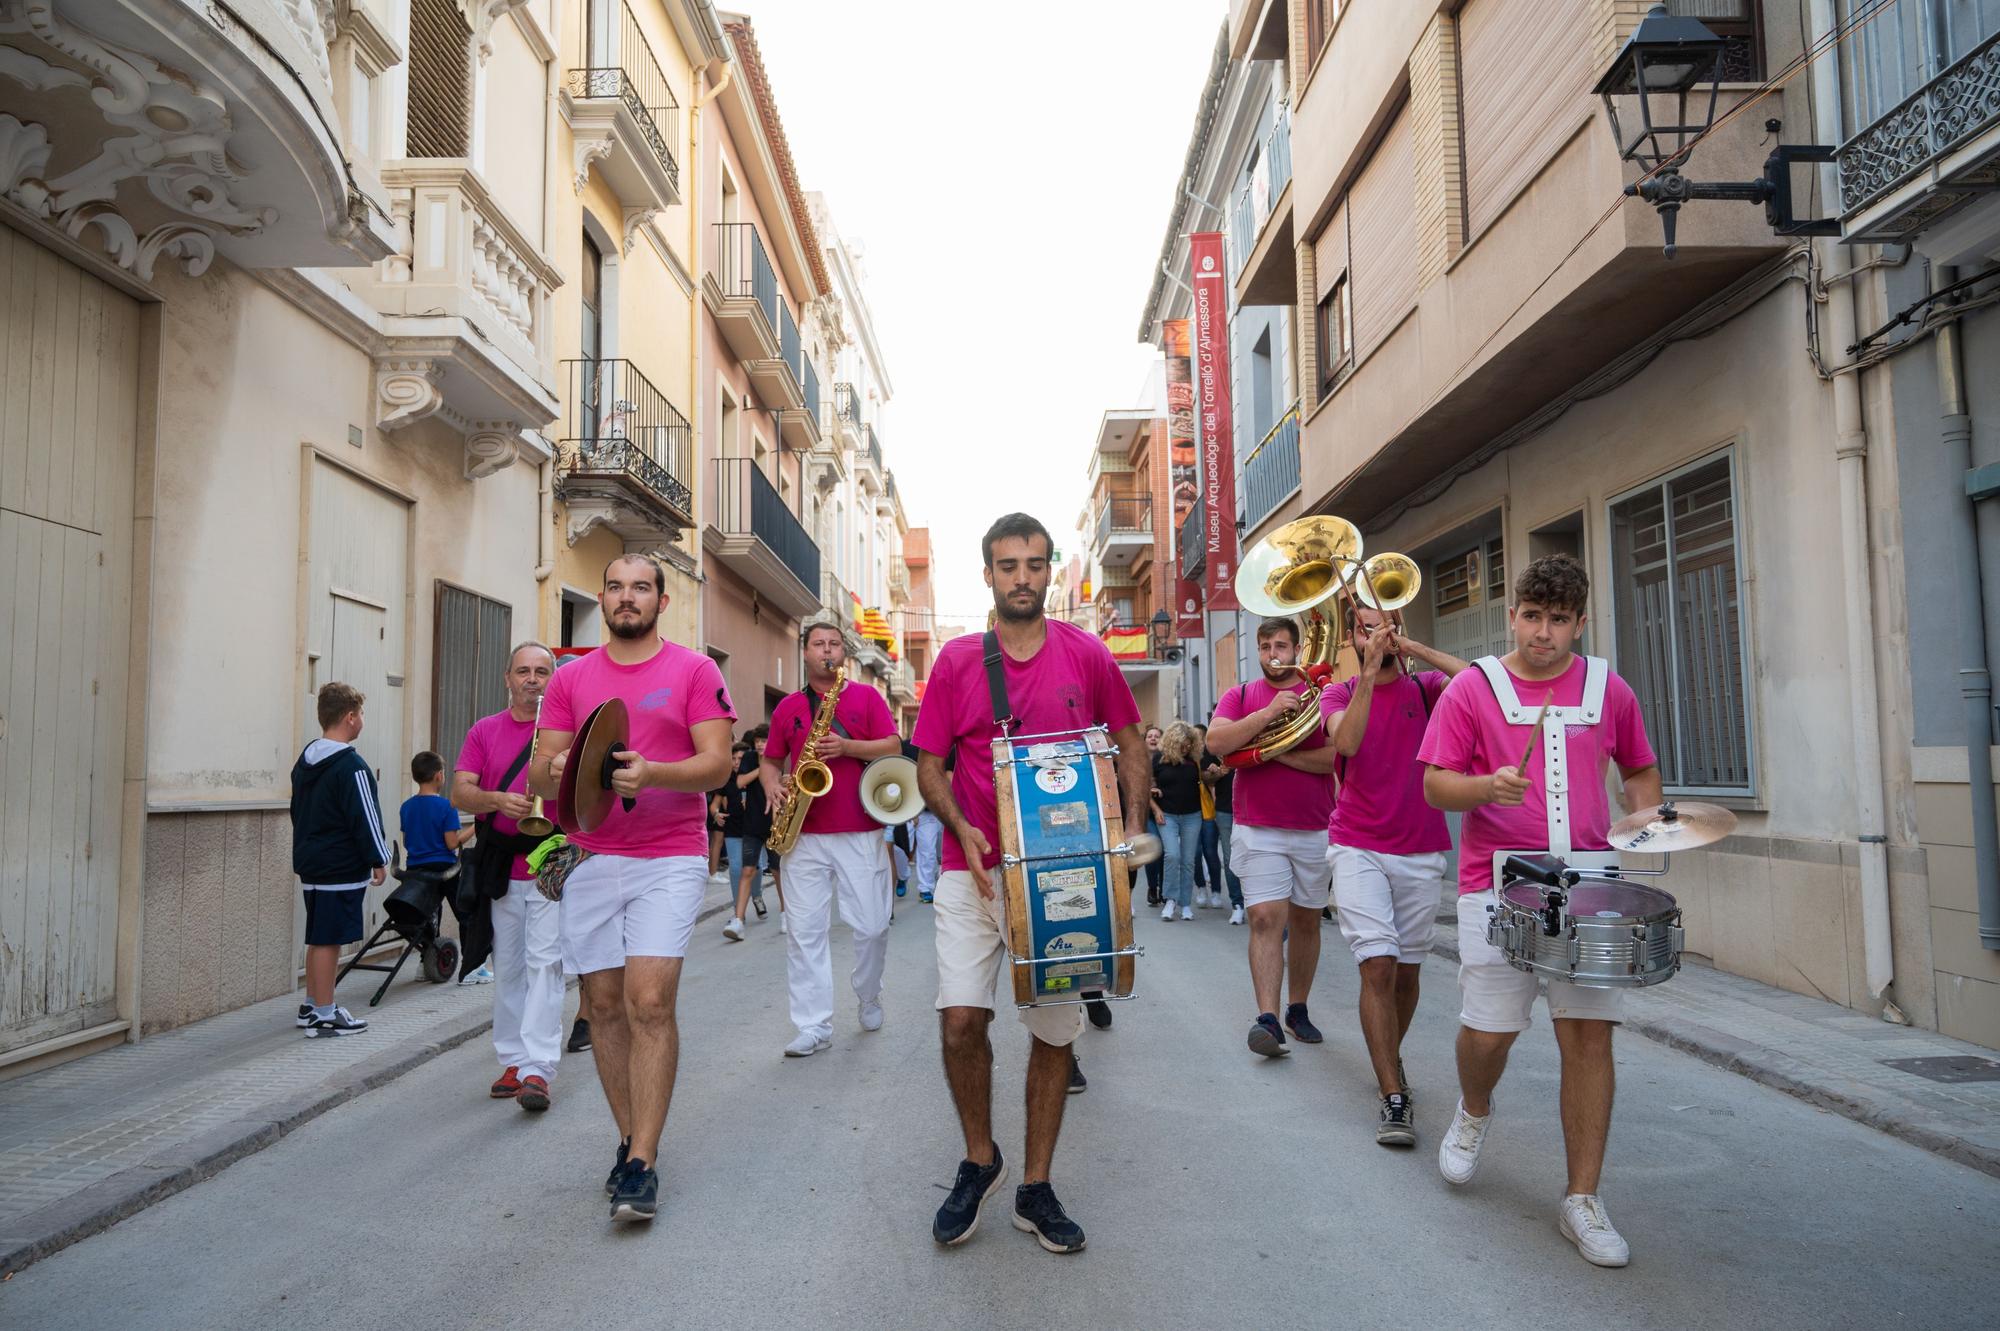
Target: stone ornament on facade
pixel 588 151
pixel 408 391
pixel 636 218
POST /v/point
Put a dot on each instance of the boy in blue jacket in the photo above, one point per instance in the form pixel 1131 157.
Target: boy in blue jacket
pixel 338 850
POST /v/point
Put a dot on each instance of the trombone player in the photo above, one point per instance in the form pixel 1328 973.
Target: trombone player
pixel 840 846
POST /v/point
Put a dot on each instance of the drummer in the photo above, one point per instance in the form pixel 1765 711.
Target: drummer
pixel 1472 757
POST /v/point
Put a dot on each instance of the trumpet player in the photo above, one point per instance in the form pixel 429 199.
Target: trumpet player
pixel 840 847
pixel 490 782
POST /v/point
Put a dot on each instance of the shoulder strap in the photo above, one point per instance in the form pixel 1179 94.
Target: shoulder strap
pixel 1596 670
pixel 812 709
pixel 513 770
pixel 1503 692
pixel 996 682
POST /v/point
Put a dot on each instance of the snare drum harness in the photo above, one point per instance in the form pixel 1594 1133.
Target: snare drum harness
pixel 1554 745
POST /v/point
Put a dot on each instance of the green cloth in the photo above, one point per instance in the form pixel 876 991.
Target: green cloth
pixel 543 851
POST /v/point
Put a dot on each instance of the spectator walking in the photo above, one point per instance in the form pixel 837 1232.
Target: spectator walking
pixel 1177 810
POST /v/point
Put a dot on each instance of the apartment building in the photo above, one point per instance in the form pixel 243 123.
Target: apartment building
pixel 1129 576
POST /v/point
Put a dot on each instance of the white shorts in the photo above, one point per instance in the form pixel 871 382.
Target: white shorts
pixel 1387 904
pixel 972 954
pixel 619 906
pixel 1280 863
pixel 1495 997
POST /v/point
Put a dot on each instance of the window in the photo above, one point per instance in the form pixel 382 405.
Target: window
pixel 1321 15
pixel 440 96
pixel 468 664
pixel 1738 24
pixel 1679 621
pixel 1336 335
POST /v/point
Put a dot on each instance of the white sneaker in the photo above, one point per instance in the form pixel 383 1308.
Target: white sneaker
pixel 484 975
pixel 781 923
pixel 1585 1223
pixel 1187 912
pixel 733 930
pixel 1236 916
pixel 1458 1153
pixel 1167 911
pixel 805 1045
pixel 1201 898
pixel 871 1016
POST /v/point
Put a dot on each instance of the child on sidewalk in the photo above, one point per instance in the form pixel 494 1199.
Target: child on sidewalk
pixel 338 850
pixel 431 834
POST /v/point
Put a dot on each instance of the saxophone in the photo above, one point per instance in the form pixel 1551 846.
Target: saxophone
pixel 811 778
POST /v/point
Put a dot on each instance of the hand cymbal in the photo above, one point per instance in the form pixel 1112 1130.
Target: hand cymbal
pixel 1672 826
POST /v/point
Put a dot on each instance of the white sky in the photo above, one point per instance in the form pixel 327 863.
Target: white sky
pixel 1008 172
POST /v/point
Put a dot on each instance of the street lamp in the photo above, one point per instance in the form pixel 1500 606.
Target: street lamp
pixel 1159 630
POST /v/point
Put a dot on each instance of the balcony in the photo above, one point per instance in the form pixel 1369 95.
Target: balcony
pixel 836 600
pixel 758 538
pixel 623 115
pixel 465 311
pixel 741 291
pixel 843 420
pixel 1259 29
pixel 626 456
pixel 800 424
pixel 776 378
pixel 1271 472
pixel 1262 264
pixel 902 684
pixel 1193 547
pixel 1124 528
pixel 868 461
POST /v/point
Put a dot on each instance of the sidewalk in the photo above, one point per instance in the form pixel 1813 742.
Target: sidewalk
pixel 1841 1060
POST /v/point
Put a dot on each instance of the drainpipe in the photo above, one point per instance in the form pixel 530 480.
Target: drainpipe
pixel 1974 683
pixel 700 100
pixel 545 553
pixel 1851 454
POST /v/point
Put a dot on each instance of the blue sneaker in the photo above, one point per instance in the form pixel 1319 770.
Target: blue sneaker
pixel 1301 1025
pixel 1037 1212
pixel 901 889
pixel 924 897
pixel 959 1216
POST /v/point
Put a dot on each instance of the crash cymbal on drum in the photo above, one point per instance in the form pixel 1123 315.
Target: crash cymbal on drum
pixel 585 796
pixel 1672 826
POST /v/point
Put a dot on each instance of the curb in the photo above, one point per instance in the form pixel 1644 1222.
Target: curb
pixel 1771 1068
pixel 27 1239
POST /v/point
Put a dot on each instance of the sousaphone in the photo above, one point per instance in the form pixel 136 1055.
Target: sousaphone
pixel 584 798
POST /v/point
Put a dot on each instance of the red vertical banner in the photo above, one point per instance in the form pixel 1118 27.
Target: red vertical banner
pixel 1212 416
pixel 1184 471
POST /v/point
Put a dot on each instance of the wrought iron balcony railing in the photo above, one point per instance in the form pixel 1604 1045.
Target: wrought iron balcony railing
pixel 846 403
pixel 1925 117
pixel 1271 472
pixel 1252 206
pixel 789 346
pixel 810 381
pixel 874 448
pixel 616 422
pixel 631 74
pixel 746 503
pixel 1128 513
pixel 743 268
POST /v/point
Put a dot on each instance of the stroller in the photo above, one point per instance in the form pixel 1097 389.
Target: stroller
pixel 413 912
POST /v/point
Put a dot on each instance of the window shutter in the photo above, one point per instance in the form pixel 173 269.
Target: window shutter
pixel 1330 253
pixel 440 83
pixel 1524 87
pixel 468 665
pixel 1384 238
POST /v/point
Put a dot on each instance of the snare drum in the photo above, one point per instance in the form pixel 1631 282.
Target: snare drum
pixel 1068 894
pixel 1610 933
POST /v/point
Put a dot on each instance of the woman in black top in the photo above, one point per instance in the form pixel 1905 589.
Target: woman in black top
pixel 745 825
pixel 1215 831
pixel 1177 809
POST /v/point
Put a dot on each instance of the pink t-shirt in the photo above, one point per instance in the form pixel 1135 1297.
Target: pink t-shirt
pixel 1380 805
pixel 1272 794
pixel 667 695
pixel 1070 684
pixel 490 748
pixel 1469 735
pixel 866 716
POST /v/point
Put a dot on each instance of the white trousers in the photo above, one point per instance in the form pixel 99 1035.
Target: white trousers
pixel 527 981
pixel 856 864
pixel 930 851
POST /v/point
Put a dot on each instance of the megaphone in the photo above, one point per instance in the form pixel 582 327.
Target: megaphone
pixel 889 790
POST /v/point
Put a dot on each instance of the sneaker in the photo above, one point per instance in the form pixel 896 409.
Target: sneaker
pixel 1201 897
pixel 1236 916
pixel 781 923
pixel 958 1218
pixel 1458 1153
pixel 1266 1037
pixel 805 1045
pixel 871 1016
pixel 1167 913
pixel 342 1022
pixel 1301 1025
pixel 733 930
pixel 534 1096
pixel 618 1168
pixel 1398 1127
pixel 1037 1212
pixel 762 909
pixel 305 1017
pixel 637 1196
pixel 899 889
pixel 1099 1012
pixel 579 1037
pixel 1187 912
pixel 1585 1223
pixel 507 1086
pixel 1077 1082
pixel 484 975
pixel 924 897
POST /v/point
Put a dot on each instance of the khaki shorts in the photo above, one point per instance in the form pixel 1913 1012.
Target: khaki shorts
pixel 972 958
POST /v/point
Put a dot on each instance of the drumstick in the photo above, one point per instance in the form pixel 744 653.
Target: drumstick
pixel 1535 735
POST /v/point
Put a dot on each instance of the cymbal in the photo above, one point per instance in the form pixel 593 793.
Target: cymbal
pixel 1672 826
pixel 584 800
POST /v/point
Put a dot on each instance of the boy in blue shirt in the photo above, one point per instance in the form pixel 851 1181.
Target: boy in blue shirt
pixel 431 834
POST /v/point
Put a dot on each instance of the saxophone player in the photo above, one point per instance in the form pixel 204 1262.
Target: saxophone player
pixel 840 848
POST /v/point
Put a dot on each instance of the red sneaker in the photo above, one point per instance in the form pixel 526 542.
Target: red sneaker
pixel 508 1086
pixel 534 1096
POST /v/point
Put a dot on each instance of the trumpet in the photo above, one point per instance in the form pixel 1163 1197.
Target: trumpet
pixel 537 823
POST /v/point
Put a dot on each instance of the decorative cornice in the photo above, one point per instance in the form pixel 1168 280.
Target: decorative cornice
pixel 357 23
pixel 759 80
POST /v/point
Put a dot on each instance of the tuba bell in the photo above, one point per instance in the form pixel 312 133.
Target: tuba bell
pixel 1294 571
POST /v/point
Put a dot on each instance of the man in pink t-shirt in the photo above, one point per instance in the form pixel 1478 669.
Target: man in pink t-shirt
pixel 1474 767
pixel 1278 845
pixel 1386 846
pixel 629 908
pixel 1058 678
pixel 840 847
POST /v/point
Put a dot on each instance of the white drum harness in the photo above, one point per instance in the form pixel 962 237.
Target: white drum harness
pixel 1554 746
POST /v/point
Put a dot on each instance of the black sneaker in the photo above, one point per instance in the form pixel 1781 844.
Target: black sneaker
pixel 305 1017
pixel 579 1036
pixel 959 1216
pixel 1037 1212
pixel 1076 1078
pixel 762 909
pixel 342 1022
pixel 1100 1013
pixel 637 1196
pixel 1301 1025
pixel 1267 1037
pixel 1398 1126
pixel 618 1169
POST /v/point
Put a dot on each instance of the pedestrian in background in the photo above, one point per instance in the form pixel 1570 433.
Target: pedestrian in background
pixel 431 835
pixel 1221 784
pixel 1155 869
pixel 744 827
pixel 338 850
pixel 1177 810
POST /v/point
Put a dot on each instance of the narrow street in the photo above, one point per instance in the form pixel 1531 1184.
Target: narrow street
pixel 1217 1189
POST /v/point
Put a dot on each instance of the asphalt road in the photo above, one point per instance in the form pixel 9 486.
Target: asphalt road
pixel 1218 1190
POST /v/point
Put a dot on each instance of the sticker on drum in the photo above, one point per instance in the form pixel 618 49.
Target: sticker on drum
pixel 1057 818
pixel 1056 779
pixel 1080 905
pixel 1064 944
pixel 1081 878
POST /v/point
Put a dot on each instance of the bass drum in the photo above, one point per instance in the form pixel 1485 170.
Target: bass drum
pixel 1611 934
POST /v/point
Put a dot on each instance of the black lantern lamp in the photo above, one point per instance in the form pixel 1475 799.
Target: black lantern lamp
pixel 1160 629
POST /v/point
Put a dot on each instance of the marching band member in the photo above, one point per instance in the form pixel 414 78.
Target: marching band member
pixel 1278 845
pixel 629 907
pixel 1472 752
pixel 1056 677
pixel 1386 847
pixel 841 847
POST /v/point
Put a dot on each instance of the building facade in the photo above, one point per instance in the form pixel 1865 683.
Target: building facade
pixel 1129 545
